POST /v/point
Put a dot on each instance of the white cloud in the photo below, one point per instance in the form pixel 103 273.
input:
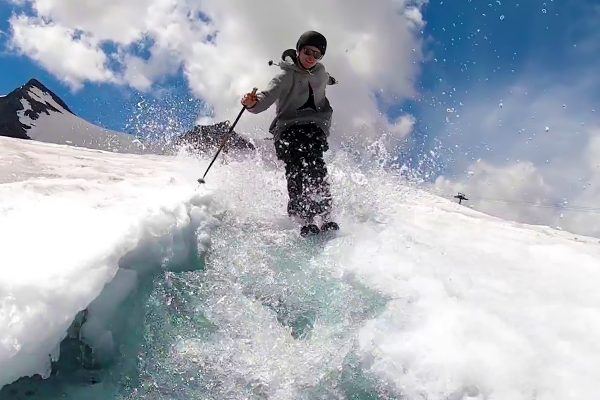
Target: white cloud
pixel 512 121
pixel 123 22
pixel 223 47
pixel 593 151
pixel 512 192
pixel 73 57
pixel 521 192
pixel 141 74
pixel 414 15
pixel 544 121
pixel 547 120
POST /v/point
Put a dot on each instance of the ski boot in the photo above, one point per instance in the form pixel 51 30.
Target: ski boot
pixel 330 226
pixel 309 230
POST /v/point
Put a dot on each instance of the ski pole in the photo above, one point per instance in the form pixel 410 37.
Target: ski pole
pixel 225 139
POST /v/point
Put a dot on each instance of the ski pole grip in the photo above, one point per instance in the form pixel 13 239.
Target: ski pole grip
pixel 253 93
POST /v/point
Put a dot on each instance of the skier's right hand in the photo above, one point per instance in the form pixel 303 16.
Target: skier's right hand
pixel 249 100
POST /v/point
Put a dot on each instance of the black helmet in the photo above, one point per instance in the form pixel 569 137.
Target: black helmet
pixel 312 38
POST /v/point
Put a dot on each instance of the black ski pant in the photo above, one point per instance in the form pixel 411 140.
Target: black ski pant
pixel 301 147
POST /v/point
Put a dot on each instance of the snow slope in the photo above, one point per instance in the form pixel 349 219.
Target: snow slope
pixel 67 128
pixel 423 297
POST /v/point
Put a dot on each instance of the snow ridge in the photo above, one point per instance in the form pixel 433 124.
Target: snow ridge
pixel 111 223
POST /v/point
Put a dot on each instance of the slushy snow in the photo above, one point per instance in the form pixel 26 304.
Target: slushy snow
pixel 475 307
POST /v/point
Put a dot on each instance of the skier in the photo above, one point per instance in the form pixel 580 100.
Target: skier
pixel 300 129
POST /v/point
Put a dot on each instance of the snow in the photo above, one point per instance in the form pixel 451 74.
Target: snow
pixel 27 121
pixel 473 307
pixel 66 128
pixel 511 312
pixel 477 307
pixel 67 218
pixel 63 127
pixel 44 97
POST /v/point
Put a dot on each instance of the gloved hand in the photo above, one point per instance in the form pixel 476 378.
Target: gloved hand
pixel 249 100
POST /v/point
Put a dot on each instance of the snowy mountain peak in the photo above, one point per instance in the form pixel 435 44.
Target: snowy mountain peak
pixel 36 92
pixel 34 112
pixel 20 108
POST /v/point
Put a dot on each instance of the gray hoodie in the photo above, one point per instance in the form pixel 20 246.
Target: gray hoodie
pixel 291 90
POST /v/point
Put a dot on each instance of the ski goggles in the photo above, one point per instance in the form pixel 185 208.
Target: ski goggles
pixel 316 54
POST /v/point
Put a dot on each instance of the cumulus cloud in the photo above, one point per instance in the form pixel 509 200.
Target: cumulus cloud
pixel 513 191
pixel 414 15
pixel 530 150
pixel 530 153
pixel 74 56
pixel 520 192
pixel 222 47
pixel 122 22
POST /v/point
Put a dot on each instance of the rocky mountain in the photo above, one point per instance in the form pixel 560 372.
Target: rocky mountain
pixel 34 112
pixel 21 104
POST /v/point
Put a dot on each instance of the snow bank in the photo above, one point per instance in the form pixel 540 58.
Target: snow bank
pixel 69 218
pixel 479 308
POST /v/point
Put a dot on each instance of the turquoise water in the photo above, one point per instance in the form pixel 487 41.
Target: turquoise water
pixel 262 315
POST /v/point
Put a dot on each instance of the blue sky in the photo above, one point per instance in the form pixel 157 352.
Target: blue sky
pixel 474 50
pixel 481 48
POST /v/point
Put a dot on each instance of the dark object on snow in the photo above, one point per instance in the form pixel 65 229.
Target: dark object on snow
pixel 460 197
pixel 313 230
pixel 25 101
pixel 206 138
pixel 309 230
pixel 330 226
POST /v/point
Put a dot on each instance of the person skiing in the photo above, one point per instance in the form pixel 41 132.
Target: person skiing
pixel 300 129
